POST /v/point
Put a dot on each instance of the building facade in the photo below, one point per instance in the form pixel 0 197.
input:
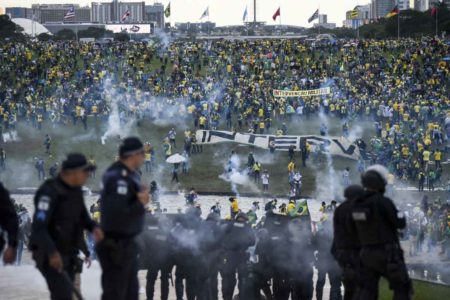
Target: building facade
pixel 380 8
pixel 137 11
pixel 155 13
pixel 112 12
pixel 45 13
pixel 433 2
pixel 404 4
pixel 364 13
pixel 19 12
pixel 421 5
pixel 101 12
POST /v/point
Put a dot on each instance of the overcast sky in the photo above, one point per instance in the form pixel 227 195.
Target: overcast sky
pixel 227 12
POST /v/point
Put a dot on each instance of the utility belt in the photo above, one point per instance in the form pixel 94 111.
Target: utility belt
pixel 71 262
pixel 346 257
pixel 115 248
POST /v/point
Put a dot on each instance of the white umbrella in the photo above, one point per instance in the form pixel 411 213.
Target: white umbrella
pixel 175 159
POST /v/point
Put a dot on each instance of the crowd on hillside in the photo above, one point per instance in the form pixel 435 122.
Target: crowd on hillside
pixel 402 86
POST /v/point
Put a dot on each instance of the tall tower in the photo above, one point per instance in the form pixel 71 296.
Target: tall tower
pixel 115 10
pixel 254 11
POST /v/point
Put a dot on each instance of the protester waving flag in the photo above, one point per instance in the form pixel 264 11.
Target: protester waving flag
pixel 393 12
pixel 167 11
pixel 70 14
pixel 276 14
pixel 314 16
pixel 126 15
pixel 205 13
pixel 244 17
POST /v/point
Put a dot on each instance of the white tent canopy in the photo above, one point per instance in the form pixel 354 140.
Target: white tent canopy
pixel 31 28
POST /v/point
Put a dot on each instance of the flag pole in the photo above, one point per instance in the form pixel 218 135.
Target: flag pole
pixel 246 19
pixel 280 17
pixel 437 11
pixel 318 16
pixel 398 25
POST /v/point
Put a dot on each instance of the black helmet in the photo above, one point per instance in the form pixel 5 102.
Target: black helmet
pixel 241 217
pixel 353 192
pixel 375 178
pixel 213 217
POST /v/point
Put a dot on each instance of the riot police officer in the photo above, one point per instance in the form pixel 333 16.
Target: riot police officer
pixel 260 270
pixel 238 239
pixel 8 223
pixel 122 206
pixel 346 246
pixel 302 246
pixel 59 219
pixel 211 233
pixel 156 254
pixel 190 261
pixel 377 222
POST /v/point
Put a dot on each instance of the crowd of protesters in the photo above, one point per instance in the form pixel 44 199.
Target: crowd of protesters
pixel 401 86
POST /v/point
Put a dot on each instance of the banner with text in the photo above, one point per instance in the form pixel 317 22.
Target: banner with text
pixel 339 146
pixel 306 93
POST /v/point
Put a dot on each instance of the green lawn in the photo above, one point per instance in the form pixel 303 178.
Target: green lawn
pixel 422 291
pixel 205 168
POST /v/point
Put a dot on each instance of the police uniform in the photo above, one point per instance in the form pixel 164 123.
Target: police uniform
pixel 157 255
pixel 122 219
pixel 237 240
pixel 377 221
pixel 8 219
pixel 326 264
pixel 58 222
pixel 345 248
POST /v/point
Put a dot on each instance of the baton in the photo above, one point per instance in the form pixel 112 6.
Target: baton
pixel 74 289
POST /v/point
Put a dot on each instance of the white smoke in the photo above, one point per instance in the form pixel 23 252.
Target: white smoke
pixel 237 177
pixel 115 125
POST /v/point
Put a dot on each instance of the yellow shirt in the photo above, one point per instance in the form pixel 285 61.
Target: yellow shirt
pixel 291 166
pixel 437 156
pixel 290 207
pixel 426 155
pixel 235 206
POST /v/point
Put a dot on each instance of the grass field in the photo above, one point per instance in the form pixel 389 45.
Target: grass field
pixel 205 168
pixel 422 291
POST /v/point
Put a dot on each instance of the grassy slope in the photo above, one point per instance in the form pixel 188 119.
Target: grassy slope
pixel 205 167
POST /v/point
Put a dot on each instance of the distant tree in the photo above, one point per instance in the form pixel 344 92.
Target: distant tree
pixel 122 37
pixel 9 29
pixel 65 34
pixel 44 37
pixel 94 32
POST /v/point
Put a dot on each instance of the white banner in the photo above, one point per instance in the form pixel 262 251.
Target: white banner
pixel 339 146
pixel 306 93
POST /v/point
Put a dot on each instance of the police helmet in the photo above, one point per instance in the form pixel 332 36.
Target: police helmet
pixel 241 217
pixel 213 217
pixel 353 192
pixel 375 178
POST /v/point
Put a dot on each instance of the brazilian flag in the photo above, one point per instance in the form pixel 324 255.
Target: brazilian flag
pixel 167 11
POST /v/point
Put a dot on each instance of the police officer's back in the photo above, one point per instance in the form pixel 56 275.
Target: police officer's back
pixel 8 223
pixel 301 257
pixel 156 254
pixel 239 237
pixel 377 222
pixel 346 247
pixel 122 217
pixel 59 220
